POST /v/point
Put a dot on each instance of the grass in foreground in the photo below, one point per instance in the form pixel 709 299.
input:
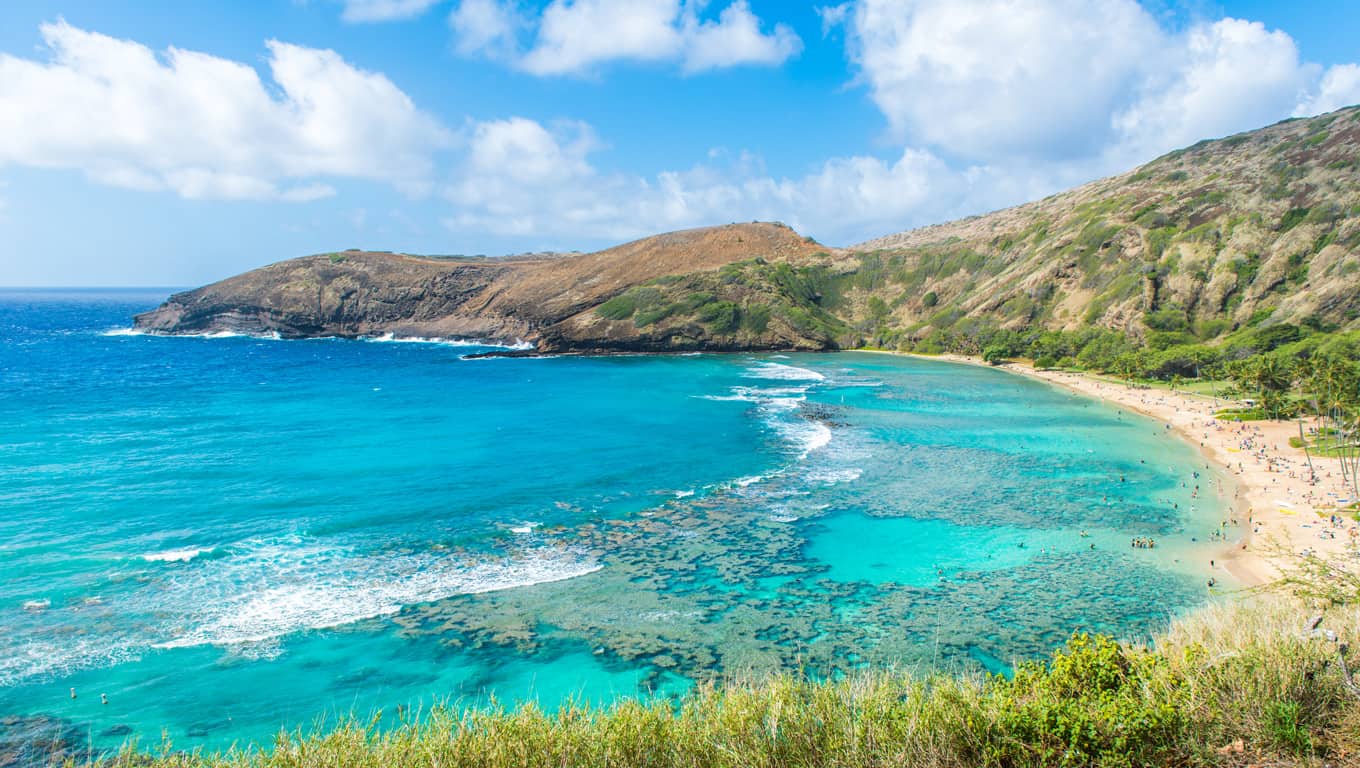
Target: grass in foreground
pixel 1230 685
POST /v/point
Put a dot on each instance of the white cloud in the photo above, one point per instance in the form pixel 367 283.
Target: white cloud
pixel 1069 80
pixel 486 27
pixel 997 78
pixel 1340 87
pixel 1223 78
pixel 735 38
pixel 523 179
pixel 576 36
pixel 207 127
pixel 833 16
pixel 383 10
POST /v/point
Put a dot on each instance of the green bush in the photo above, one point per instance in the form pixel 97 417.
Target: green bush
pixel 653 314
pixel 720 316
pixel 930 299
pixel 995 355
pixel 1292 218
pixel 620 307
pixel 1095 703
pixel 755 317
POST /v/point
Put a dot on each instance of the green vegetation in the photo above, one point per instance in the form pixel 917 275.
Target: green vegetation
pixel 741 299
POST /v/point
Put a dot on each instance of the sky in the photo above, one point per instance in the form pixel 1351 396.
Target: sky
pixel 164 143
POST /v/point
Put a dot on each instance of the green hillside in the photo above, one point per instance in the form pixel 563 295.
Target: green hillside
pixel 1245 243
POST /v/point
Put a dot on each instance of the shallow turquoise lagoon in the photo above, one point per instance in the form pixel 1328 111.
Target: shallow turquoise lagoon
pixel 230 536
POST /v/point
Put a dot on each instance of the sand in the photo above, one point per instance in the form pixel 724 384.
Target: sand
pixel 1281 508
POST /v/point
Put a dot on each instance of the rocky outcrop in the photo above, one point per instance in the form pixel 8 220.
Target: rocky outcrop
pixel 547 301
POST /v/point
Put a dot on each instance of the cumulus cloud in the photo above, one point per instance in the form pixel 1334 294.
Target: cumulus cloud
pixel 486 27
pixel 1222 78
pixel 996 78
pixel 383 10
pixel 1062 80
pixel 576 36
pixel 208 127
pixel 1340 87
pixel 521 178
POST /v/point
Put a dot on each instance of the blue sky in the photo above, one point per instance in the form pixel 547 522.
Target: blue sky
pixel 171 143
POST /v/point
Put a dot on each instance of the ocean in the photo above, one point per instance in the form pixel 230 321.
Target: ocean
pixel 228 537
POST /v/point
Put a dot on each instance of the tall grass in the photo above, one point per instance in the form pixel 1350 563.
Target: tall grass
pixel 1229 685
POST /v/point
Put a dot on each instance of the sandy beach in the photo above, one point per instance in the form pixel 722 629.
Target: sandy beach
pixel 1276 502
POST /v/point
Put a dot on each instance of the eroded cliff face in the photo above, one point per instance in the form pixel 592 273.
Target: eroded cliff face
pixel 548 301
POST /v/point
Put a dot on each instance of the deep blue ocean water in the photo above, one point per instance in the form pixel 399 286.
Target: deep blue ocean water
pixel 230 536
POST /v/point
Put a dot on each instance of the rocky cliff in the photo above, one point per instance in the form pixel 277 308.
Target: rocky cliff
pixel 549 301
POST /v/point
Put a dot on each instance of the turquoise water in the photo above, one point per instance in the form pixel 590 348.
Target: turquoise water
pixel 229 536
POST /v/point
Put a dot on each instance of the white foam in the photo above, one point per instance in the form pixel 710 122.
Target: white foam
pixel 834 476
pixel 525 528
pixel 782 372
pixel 41 657
pixel 389 338
pixel 182 555
pixel 806 436
pixel 34 606
pixel 309 587
pixel 683 494
pixel 775 397
pixel 271 336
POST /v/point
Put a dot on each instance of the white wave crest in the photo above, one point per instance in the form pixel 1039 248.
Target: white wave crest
pixel 251 600
pixel 260 591
pixel 182 555
pixel 805 436
pixel 389 338
pixel 782 372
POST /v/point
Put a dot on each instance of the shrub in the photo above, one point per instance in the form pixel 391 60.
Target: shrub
pixel 930 299
pixel 720 316
pixel 1292 218
pixel 1095 703
pixel 755 318
pixel 995 355
pixel 653 314
pixel 618 308
pixel 1166 320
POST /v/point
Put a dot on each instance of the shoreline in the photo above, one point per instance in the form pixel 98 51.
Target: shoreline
pixel 1274 497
